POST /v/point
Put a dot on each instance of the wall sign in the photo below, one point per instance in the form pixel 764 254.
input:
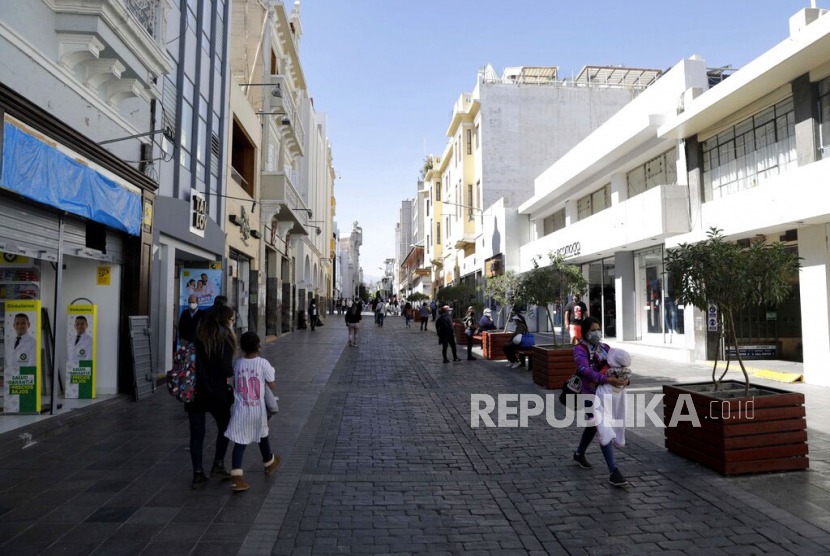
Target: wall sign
pixel 147 220
pixel 21 384
pixel 568 251
pixel 712 318
pixel 198 213
pixel 80 351
pixel 243 221
pixel 104 275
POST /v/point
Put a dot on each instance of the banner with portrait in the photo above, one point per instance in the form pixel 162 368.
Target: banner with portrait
pixel 79 379
pixel 21 373
pixel 204 283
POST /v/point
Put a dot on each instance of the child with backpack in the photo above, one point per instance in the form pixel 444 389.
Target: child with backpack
pixel 249 417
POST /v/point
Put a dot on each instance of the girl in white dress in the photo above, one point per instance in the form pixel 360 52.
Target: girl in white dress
pixel 249 419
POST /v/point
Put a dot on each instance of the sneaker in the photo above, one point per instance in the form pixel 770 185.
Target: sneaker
pixel 238 483
pixel 471 359
pixel 456 359
pixel 272 465
pixel 515 365
pixel 617 479
pixel 446 360
pixel 199 480
pixel 218 470
pixel 583 463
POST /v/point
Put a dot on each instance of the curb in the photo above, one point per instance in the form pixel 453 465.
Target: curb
pixel 18 439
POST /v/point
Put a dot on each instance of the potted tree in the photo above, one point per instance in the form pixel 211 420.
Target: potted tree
pixel 553 364
pixel 744 428
pixel 506 291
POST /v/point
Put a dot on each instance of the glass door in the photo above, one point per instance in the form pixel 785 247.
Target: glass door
pixel 649 292
pixel 609 299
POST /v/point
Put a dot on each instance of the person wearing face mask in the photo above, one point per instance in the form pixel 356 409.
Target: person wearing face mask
pixel 189 321
pixel 591 356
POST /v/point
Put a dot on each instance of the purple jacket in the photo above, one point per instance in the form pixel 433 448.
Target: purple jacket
pixel 590 361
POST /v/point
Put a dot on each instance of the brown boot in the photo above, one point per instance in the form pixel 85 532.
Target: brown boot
pixel 271 466
pixel 238 483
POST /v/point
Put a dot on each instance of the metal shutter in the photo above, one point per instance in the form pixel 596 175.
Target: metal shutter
pixel 27 230
pixel 143 375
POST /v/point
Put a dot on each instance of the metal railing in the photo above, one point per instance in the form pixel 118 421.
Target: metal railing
pixel 289 107
pixel 148 15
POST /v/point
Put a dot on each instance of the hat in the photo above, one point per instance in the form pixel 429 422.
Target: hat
pixel 488 311
pixel 517 317
pixel 446 308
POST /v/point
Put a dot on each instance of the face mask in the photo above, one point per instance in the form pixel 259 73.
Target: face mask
pixel 595 336
pixel 193 306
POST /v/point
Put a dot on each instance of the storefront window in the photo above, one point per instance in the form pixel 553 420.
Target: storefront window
pixel 659 312
pixel 602 296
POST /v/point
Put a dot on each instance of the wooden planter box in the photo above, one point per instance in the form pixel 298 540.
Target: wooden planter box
pixel 460 337
pixel 493 344
pixel 769 434
pixel 552 365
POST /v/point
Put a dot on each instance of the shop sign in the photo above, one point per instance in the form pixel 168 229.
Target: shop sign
pixel 198 213
pixel 147 221
pixel 772 315
pixel 204 283
pixel 712 318
pixel 81 321
pixel 11 259
pixel 569 251
pixel 243 221
pixel 104 275
pixel 21 385
pixel 754 352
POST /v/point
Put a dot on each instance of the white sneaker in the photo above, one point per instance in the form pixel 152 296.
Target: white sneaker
pixel 515 365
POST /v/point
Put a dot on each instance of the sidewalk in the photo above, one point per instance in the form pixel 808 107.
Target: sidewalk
pixel 379 456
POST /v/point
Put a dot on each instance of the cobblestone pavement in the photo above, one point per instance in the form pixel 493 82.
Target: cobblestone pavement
pixel 379 457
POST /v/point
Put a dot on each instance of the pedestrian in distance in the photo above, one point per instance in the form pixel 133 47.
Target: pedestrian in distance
pixel 353 317
pixel 591 356
pixel 407 313
pixel 425 312
pixel 380 313
pixel 249 420
pixel 446 333
pixel 312 313
pixel 575 312
pixel 433 309
pixel 470 327
pixel 513 346
pixel 189 321
pixel 215 346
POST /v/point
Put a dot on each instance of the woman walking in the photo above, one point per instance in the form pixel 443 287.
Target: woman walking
pixel 353 322
pixel 407 312
pixel 591 358
pixel 312 313
pixel 215 346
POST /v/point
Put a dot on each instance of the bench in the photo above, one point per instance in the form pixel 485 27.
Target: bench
pixel 527 353
pixel 478 338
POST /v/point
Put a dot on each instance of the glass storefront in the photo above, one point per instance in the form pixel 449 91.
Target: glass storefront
pixel 601 299
pixel 659 313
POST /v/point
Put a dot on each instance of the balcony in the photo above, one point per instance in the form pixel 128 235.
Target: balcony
pixel 642 221
pixel 295 131
pixel 281 200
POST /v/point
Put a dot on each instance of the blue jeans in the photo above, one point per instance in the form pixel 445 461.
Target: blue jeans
pixel 588 435
pixel 239 451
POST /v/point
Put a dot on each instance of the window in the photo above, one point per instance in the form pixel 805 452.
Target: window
pixel 824 116
pixel 185 133
pixel 427 213
pixel 469 141
pixel 476 136
pixel 470 200
pixel 661 170
pixel 478 193
pixel 243 159
pixel 220 37
pixel 214 159
pixel 201 138
pixel 438 233
pixel 438 190
pixel 757 148
pixel 274 68
pixel 594 202
pixel 554 222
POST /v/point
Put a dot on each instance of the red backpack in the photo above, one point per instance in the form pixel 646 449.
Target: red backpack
pixel 181 379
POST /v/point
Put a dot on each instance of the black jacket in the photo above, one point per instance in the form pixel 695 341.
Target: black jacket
pixel 443 325
pixel 212 388
pixel 353 318
pixel 188 324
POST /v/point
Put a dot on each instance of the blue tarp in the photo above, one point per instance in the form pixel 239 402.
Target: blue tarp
pixel 41 172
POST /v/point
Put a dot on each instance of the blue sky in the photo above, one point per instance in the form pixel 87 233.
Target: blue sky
pixel 387 72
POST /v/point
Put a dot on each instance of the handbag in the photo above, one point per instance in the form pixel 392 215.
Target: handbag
pixel 569 390
pixel 528 340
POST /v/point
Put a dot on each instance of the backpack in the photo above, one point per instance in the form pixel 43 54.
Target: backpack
pixel 181 379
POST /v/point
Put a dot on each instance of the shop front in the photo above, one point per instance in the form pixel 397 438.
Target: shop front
pixel 75 243
pixel 660 315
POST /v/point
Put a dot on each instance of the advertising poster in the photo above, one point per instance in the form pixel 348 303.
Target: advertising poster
pixel 204 283
pixel 80 351
pixel 21 385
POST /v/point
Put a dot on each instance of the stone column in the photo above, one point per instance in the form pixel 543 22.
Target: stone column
pixel 624 295
pixel 814 285
pixel 805 101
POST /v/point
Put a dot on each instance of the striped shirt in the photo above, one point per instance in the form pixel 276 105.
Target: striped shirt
pixel 249 422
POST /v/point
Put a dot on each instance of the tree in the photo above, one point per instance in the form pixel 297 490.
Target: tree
pixel 505 290
pixel 732 278
pixel 544 286
pixel 415 297
pixel 455 295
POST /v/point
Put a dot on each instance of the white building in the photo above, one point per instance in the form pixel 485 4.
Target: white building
pixel 747 155
pixel 351 273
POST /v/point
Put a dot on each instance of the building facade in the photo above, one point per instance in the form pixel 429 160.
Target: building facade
pixel 746 155
pixel 351 272
pixel 80 102
pixel 500 136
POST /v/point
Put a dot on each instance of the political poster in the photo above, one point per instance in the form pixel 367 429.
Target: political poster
pixel 79 379
pixel 21 380
pixel 204 283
